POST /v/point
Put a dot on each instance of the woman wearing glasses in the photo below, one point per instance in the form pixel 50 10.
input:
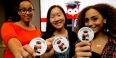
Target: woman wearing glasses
pixel 20 32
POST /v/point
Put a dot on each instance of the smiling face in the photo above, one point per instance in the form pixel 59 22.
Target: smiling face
pixel 57 18
pixel 94 20
pixel 26 11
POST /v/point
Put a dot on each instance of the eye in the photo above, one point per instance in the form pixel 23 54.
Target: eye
pixel 95 19
pixel 52 16
pixel 23 10
pixel 86 20
pixel 59 15
pixel 30 10
pixel 75 11
pixel 69 11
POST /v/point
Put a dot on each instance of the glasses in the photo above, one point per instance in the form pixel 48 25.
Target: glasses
pixel 23 11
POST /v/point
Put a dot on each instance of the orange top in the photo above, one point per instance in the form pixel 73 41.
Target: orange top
pixel 10 30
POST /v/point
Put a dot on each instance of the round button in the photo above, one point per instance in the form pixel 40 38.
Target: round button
pixel 85 33
pixel 39 45
pixel 60 44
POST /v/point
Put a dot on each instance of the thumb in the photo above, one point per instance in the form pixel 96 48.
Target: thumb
pixel 52 51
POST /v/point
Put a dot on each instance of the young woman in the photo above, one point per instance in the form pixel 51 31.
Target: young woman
pixel 57 26
pixel 18 33
pixel 101 18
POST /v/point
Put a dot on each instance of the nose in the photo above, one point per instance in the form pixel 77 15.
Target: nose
pixel 90 23
pixel 56 18
pixel 27 12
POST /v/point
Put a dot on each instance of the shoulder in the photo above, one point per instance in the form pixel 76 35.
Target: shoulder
pixel 110 48
pixel 7 24
pixel 72 36
pixel 37 28
pixel 112 40
pixel 72 33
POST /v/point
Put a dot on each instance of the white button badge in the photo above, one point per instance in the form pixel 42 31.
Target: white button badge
pixel 60 44
pixel 39 45
pixel 85 33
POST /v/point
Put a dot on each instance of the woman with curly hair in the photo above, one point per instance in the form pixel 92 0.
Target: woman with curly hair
pixel 101 18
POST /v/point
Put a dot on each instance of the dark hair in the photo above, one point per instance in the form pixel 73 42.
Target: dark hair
pixel 15 15
pixel 49 27
pixel 107 11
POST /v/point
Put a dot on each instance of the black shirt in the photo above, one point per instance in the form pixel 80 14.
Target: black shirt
pixel 72 40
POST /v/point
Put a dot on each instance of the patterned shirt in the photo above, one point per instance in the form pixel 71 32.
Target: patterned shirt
pixel 62 55
pixel 109 50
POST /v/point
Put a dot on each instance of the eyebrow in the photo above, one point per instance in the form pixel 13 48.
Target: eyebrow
pixel 93 16
pixel 26 8
pixel 51 15
pixel 58 13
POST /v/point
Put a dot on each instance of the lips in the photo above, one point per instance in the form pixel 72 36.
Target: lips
pixel 28 17
pixel 58 23
pixel 93 27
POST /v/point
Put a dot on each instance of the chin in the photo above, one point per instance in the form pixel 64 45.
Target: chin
pixel 58 28
pixel 96 32
pixel 27 21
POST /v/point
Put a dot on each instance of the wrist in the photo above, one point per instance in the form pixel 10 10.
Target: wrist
pixel 74 56
pixel 45 57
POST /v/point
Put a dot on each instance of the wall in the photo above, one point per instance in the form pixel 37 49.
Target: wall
pixel 36 18
pixel 2 15
pixel 2 19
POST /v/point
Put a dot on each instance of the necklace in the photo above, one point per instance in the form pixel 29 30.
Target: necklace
pixel 98 45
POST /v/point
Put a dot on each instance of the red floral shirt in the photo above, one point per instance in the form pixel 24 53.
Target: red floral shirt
pixel 109 50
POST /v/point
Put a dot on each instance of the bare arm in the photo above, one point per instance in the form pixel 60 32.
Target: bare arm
pixel 14 45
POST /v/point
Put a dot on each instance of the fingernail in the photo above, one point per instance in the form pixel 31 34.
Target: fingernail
pixel 34 54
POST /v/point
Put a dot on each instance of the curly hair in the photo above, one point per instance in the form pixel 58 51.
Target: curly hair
pixel 107 11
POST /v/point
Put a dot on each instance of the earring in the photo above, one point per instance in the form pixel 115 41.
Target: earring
pixel 107 30
pixel 105 22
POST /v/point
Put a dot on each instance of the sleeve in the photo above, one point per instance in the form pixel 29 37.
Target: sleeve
pixel 8 32
pixel 76 40
pixel 44 36
pixel 72 38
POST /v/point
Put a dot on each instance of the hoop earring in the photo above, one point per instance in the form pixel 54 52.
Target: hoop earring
pixel 106 30
pixel 105 22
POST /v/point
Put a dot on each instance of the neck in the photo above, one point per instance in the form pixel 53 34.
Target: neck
pixel 60 31
pixel 25 23
pixel 100 36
